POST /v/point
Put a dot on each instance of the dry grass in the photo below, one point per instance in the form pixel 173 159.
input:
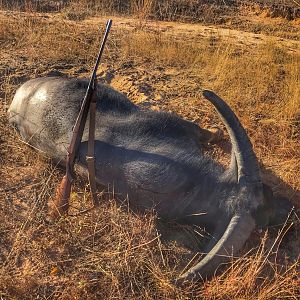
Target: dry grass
pixel 29 31
pixel 112 253
pixel 259 16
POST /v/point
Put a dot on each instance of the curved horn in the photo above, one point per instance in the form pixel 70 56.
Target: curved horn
pixel 245 165
pixel 233 239
pixel 248 168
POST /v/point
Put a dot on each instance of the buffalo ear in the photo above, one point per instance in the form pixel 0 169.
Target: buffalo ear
pixel 279 207
pixel 282 209
pixel 268 192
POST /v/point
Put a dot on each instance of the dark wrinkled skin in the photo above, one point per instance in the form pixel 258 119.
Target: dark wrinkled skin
pixel 153 157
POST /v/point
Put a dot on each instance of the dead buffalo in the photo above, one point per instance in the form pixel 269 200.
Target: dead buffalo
pixel 155 158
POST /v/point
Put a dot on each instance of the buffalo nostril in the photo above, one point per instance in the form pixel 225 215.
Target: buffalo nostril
pixel 15 126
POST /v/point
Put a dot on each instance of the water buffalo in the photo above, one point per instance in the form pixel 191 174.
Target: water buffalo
pixel 155 158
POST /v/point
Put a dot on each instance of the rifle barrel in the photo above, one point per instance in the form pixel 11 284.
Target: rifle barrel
pixel 107 29
pixel 82 116
pixel 61 201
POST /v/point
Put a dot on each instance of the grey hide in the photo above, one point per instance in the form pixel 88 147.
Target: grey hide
pixel 155 158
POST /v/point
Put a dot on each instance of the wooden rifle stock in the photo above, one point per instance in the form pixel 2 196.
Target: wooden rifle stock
pixel 63 191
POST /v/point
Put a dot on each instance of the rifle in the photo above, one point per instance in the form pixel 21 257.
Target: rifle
pixel 61 200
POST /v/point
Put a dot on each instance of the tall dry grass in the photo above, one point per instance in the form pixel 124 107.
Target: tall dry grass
pixel 259 16
pixel 216 11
